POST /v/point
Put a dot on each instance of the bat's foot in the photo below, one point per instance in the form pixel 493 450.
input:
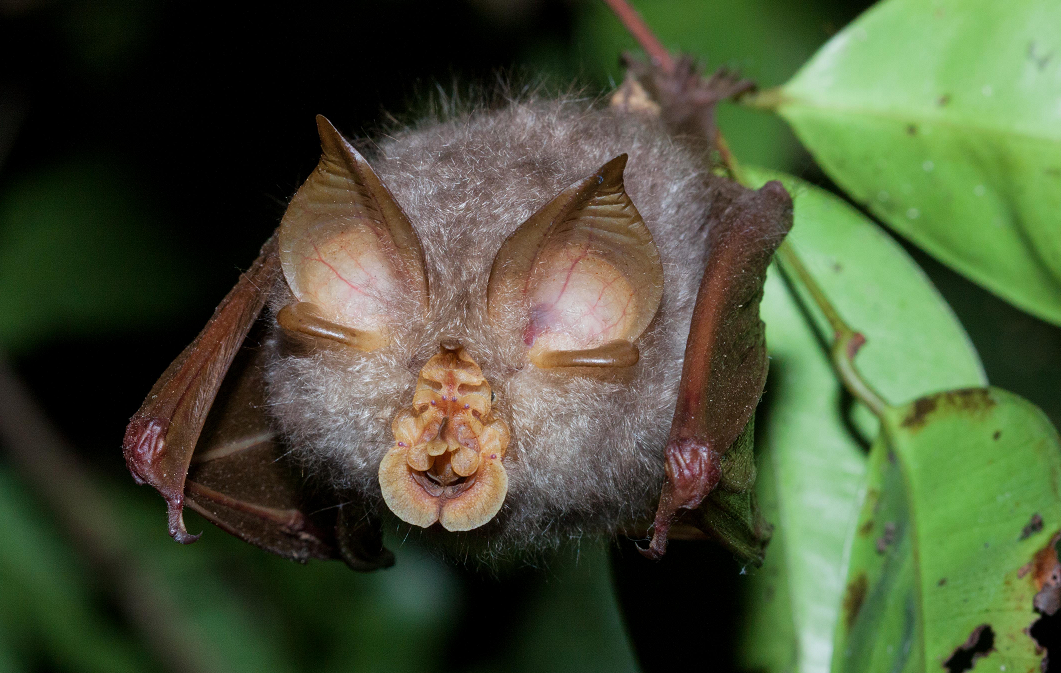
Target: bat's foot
pixel 693 471
pixel 684 97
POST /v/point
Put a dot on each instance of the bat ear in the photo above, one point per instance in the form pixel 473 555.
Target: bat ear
pixel 581 278
pixel 349 251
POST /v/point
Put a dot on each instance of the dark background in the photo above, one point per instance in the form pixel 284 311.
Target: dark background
pixel 147 149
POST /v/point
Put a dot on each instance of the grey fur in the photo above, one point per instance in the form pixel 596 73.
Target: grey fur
pixel 587 451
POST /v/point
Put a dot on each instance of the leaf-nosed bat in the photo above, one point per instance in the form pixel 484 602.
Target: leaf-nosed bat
pixel 506 329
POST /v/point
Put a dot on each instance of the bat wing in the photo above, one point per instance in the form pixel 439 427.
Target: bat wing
pixel 709 450
pixel 203 438
pixel 709 455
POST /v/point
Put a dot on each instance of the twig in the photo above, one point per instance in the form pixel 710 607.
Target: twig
pixel 765 99
pixel 643 34
pixel 50 465
pixel 728 159
pixel 846 341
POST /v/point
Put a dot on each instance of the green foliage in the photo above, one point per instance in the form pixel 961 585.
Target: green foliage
pixel 955 146
pixel 48 610
pixel 941 118
pixel 248 611
pixel 812 461
pixel 957 482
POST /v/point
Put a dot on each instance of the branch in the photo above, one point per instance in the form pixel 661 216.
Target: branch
pixel 643 34
pixel 846 341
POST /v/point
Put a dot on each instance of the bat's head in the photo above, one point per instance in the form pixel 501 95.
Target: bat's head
pixel 475 366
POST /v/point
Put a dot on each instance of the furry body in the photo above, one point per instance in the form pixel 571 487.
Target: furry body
pixel 587 449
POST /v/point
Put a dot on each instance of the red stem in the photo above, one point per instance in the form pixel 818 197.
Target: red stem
pixel 643 34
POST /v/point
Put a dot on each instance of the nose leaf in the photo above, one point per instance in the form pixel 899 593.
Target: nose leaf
pixel 446 464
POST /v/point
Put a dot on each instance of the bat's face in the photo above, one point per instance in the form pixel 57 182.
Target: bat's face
pixel 487 326
pixel 509 323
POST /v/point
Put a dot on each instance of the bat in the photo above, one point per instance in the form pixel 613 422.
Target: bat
pixel 503 329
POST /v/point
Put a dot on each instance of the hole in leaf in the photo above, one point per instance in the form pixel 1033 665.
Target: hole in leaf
pixel 979 644
pixel 1046 632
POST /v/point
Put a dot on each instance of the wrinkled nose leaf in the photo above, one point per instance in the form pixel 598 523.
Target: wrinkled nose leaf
pixel 446 462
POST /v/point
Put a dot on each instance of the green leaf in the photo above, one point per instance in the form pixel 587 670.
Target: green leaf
pixel 875 285
pixel 942 118
pixel 879 621
pixel 963 491
pixel 812 459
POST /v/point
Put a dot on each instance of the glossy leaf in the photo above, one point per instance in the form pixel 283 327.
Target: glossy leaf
pixel 942 118
pixel 812 459
pixel 962 493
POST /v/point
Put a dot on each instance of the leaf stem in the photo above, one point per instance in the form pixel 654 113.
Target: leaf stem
pixel 766 99
pixel 846 341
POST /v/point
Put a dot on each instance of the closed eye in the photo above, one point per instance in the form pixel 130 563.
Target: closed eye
pixel 613 354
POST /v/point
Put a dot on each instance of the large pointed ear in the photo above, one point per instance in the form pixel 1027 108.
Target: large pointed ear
pixel 581 278
pixel 347 248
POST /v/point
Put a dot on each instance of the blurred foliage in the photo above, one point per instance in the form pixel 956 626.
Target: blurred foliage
pixel 82 253
pixel 158 144
pixel 250 611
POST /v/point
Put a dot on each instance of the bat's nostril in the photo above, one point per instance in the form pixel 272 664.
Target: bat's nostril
pixel 446 477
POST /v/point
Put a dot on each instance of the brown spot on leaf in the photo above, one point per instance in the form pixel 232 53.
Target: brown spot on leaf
pixel 866 528
pixel 966 401
pixel 997 435
pixel 854 597
pixel 922 408
pixel 1045 632
pixel 943 100
pixel 1035 524
pixel 970 399
pixel 941 582
pixel 911 130
pixel 884 541
pixel 980 643
pixel 1046 577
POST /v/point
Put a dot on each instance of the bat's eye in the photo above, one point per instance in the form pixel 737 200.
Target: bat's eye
pixel 307 318
pixel 586 272
pixel 349 254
